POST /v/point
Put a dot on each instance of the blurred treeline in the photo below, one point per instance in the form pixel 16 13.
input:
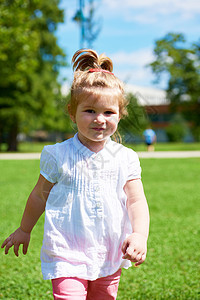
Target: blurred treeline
pixel 30 92
pixel 179 61
pixel 30 59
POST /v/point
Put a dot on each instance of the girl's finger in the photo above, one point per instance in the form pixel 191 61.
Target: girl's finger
pixel 130 254
pixel 138 257
pixel 124 247
pixel 8 246
pixel 131 251
pixel 5 242
pixel 16 249
pixel 141 260
pixel 25 248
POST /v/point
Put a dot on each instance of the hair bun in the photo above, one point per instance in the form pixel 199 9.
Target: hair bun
pixel 85 59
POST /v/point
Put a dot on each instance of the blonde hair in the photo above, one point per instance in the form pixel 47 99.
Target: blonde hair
pixel 97 83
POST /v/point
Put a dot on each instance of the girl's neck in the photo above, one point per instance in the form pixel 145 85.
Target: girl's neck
pixel 92 145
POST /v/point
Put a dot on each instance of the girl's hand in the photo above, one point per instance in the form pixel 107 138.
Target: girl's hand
pixel 15 239
pixel 134 248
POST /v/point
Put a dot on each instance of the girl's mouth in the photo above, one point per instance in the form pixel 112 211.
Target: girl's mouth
pixel 98 128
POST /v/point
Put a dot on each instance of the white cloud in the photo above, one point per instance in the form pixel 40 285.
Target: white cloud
pixel 139 57
pixel 130 67
pixel 148 11
pixel 138 76
pixel 170 5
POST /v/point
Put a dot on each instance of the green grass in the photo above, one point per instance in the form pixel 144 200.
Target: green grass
pixel 37 147
pixel 168 147
pixel 171 270
pixel 27 147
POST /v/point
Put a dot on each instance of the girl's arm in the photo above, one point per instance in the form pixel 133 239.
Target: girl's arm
pixel 35 206
pixel 134 247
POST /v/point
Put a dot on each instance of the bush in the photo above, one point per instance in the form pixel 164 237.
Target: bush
pixel 175 132
pixel 196 133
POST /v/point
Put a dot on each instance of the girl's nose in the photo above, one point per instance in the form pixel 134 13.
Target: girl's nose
pixel 99 119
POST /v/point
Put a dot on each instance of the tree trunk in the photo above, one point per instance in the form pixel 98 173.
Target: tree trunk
pixel 1 137
pixel 12 138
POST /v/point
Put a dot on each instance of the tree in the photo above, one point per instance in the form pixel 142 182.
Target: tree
pixel 177 129
pixel 29 62
pixel 182 66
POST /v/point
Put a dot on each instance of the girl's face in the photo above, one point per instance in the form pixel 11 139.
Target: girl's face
pixel 97 118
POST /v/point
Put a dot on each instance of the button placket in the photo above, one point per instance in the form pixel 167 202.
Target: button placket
pixel 97 197
pixel 98 207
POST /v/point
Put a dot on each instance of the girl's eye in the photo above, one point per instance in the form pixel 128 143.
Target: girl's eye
pixel 109 112
pixel 90 111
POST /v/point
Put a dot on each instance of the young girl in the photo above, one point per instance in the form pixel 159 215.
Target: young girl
pixel 96 214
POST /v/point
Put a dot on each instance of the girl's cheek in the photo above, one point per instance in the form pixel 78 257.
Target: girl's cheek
pixel 115 119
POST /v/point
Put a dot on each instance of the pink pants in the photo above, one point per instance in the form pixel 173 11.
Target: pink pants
pixel 69 288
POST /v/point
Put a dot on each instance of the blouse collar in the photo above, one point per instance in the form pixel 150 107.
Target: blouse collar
pixel 84 150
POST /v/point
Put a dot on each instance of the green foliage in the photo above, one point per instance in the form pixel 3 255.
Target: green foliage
pixel 175 132
pixel 177 129
pixel 181 64
pixel 196 133
pixel 29 61
pixel 171 270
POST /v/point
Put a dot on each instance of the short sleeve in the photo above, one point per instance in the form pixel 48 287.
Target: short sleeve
pixel 48 164
pixel 134 169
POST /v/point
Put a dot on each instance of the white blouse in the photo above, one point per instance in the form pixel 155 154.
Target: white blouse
pixel 86 219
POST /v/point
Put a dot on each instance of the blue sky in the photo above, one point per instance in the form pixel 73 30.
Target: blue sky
pixel 129 29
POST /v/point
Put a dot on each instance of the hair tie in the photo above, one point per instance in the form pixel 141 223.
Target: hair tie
pixel 100 70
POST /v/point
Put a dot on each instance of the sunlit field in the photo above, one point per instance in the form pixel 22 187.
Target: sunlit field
pixel 38 146
pixel 171 270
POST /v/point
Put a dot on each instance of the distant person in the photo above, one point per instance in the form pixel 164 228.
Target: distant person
pixel 150 138
pixel 96 213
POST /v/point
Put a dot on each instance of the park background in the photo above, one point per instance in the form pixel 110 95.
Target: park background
pixel 155 49
pixel 156 52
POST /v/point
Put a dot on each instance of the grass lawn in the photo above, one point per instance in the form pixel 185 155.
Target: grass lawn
pixel 37 147
pixel 171 270
pixel 168 147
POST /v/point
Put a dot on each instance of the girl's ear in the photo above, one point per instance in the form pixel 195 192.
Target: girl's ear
pixel 72 117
